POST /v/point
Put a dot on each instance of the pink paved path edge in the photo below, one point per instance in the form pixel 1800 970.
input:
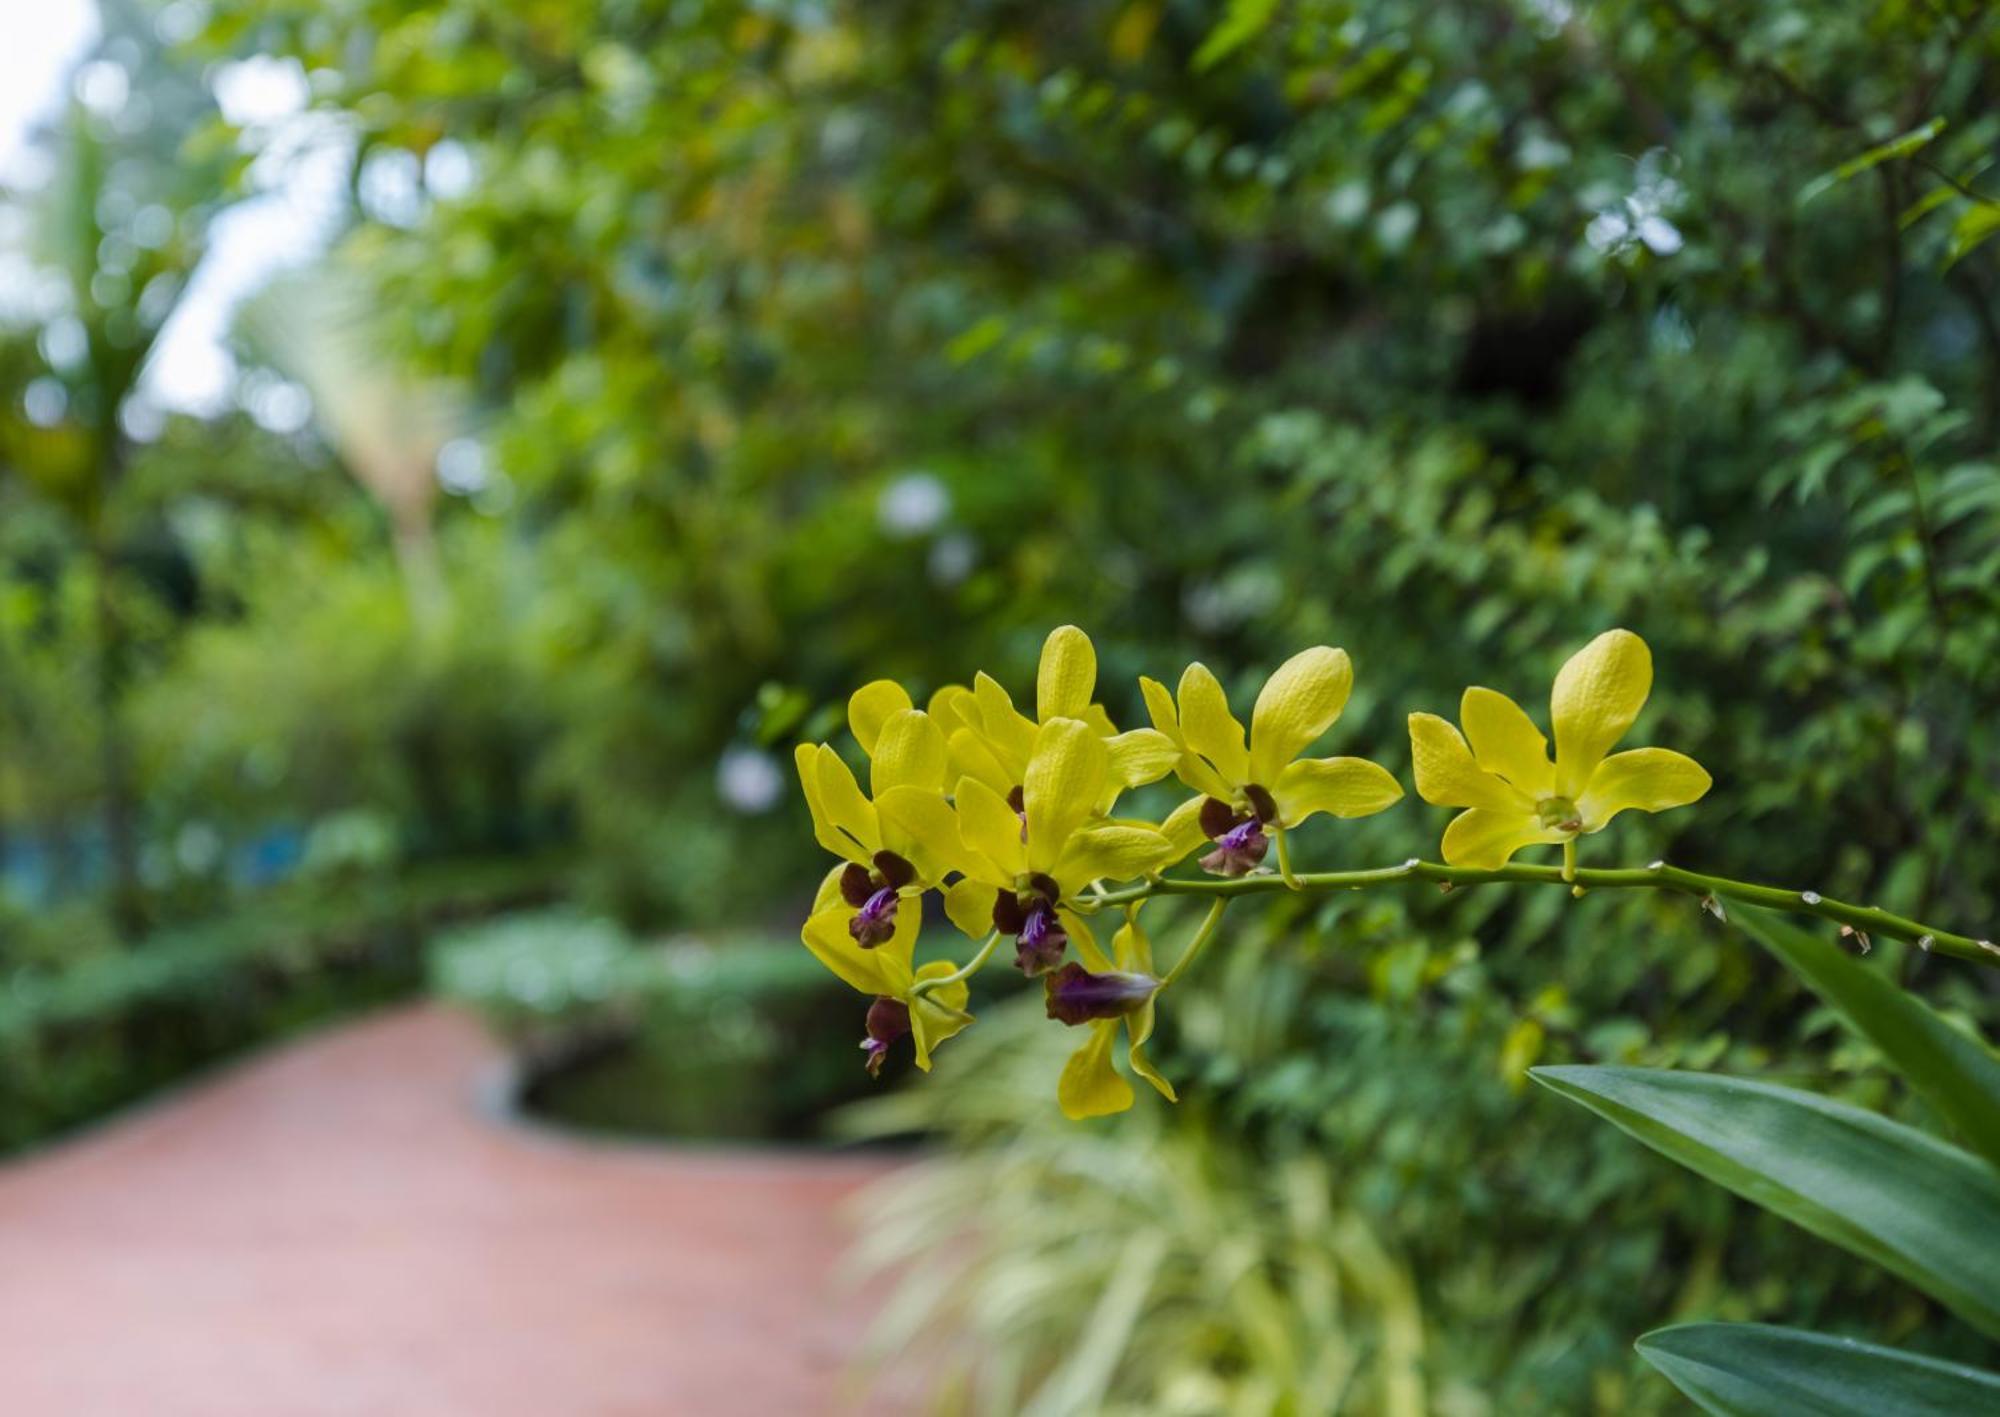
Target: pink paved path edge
pixel 339 1227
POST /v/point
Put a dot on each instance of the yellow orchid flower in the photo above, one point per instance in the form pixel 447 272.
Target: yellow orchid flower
pixel 1025 866
pixel 894 845
pixel 1500 770
pixel 885 971
pixel 991 740
pixel 1252 784
pixel 1090 1085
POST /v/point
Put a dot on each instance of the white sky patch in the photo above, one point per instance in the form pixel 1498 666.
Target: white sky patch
pixel 302 177
pixel 44 39
pixel 300 181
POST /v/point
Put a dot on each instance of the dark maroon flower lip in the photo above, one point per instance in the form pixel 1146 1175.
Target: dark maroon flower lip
pixel 875 922
pixel 1030 917
pixel 857 882
pixel 1075 995
pixel 1238 851
pixel 873 896
pixel 888 1020
pixel 1040 945
pixel 1217 817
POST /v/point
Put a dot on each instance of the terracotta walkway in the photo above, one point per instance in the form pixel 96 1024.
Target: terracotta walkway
pixel 338 1228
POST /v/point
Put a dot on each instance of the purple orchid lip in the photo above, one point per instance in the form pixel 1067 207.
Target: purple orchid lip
pixel 1238 851
pixel 1042 940
pixel 1076 996
pixel 888 1020
pixel 875 922
pixel 1029 915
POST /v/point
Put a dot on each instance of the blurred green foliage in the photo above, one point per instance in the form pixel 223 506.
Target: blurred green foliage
pixel 822 341
pixel 92 1030
pixel 690 1037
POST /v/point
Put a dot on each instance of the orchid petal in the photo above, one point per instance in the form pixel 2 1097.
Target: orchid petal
pixel 1487 840
pixel 1208 727
pixel 1067 676
pixel 1505 741
pixel 1346 787
pixel 930 1025
pixel 1112 852
pixel 1597 695
pixel 991 831
pixel 1090 1086
pixel 1447 775
pixel 1649 779
pixel 870 706
pixel 1064 782
pixel 909 752
pixel 1297 704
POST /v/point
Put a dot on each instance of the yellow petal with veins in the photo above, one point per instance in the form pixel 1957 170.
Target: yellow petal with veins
pixel 1011 735
pixel 1083 941
pixel 991 831
pixel 828 894
pixel 825 829
pixel 973 756
pixel 1208 727
pixel 1504 740
pixel 1346 787
pixel 969 904
pixel 1111 852
pixel 840 797
pixel 1598 694
pixel 1447 774
pixel 909 752
pixel 1090 1086
pixel 869 707
pixel 1296 705
pixel 1160 706
pixel 954 707
pixel 1650 779
pixel 882 970
pixel 919 826
pixel 1141 756
pixel 1183 828
pixel 1135 952
pixel 930 1025
pixel 806 758
pixel 1486 839
pixel 1065 779
pixel 1067 676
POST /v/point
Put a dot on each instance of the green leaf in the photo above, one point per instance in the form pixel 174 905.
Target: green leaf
pixel 1974 227
pixel 1902 145
pixel 1755 1370
pixel 1241 23
pixel 1915 1205
pixel 1957 1075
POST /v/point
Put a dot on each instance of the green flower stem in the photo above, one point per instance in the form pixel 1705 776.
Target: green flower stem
pixel 1285 857
pixel 1201 935
pixel 1658 876
pixel 964 971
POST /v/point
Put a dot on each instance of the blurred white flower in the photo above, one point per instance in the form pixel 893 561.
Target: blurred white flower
pixel 912 505
pixel 748 779
pixel 952 558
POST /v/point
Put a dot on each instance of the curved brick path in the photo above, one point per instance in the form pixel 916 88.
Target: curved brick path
pixel 336 1228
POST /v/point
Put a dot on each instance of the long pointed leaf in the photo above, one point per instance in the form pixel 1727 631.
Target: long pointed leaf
pixel 1911 1203
pixel 1754 1370
pixel 1957 1075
